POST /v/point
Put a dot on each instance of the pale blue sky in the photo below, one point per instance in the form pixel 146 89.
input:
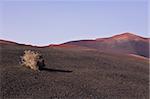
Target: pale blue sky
pixel 53 22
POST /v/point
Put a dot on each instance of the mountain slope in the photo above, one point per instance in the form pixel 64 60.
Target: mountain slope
pixel 126 43
pixel 73 74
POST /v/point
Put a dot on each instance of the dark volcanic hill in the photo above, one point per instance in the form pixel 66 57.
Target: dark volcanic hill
pixel 125 43
pixel 73 74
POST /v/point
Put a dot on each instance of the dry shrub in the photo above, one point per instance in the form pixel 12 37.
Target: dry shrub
pixel 33 60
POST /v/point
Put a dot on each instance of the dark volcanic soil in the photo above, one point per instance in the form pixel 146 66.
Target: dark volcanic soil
pixel 73 74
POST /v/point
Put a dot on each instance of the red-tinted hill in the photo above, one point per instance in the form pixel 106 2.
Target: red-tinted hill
pixel 4 42
pixel 125 43
pixel 12 43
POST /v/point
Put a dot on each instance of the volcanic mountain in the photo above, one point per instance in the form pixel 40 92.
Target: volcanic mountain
pixel 126 43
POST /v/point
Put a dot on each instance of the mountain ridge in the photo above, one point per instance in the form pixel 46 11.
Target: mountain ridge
pixel 127 43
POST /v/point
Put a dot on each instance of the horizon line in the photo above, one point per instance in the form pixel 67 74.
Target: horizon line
pixel 13 41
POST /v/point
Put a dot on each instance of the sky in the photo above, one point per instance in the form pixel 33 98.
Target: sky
pixel 44 22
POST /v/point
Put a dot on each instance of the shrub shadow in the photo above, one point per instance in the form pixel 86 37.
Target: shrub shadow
pixel 54 70
pixel 42 67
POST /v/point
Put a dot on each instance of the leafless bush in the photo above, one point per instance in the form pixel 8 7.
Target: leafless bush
pixel 33 60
